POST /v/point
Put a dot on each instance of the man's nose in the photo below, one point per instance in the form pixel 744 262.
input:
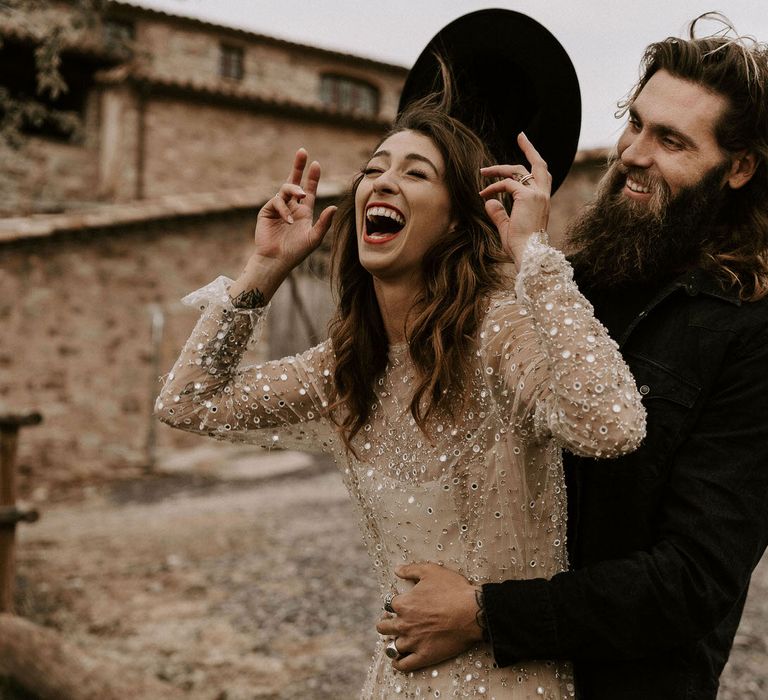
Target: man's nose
pixel 637 152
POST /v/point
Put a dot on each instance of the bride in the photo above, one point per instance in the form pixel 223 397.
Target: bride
pixel 446 388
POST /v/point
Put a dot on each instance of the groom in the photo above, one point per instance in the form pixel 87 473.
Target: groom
pixel 674 256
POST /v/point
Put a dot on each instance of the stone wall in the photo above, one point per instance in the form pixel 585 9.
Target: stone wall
pixel 275 70
pixel 76 311
pixel 202 148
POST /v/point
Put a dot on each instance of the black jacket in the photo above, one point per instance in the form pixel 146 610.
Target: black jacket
pixel 662 541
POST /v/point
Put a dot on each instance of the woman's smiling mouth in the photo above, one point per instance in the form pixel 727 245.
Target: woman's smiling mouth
pixel 383 222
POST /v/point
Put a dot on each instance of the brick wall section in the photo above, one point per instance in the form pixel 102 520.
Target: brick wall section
pixel 202 148
pixel 48 175
pixel 75 313
pixel 170 50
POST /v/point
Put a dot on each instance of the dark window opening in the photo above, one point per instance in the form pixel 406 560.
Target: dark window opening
pixel 41 114
pixel 349 95
pixel 119 32
pixel 231 63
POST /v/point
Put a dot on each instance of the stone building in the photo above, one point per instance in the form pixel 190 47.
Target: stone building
pixel 187 128
pixel 173 105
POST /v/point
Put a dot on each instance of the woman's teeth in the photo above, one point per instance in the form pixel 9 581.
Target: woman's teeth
pixel 637 187
pixel 384 211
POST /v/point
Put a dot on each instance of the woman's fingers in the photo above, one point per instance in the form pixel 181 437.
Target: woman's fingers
pixel 323 223
pixel 513 171
pixel 539 168
pixel 501 186
pixel 282 209
pixel 313 179
pixel 299 163
pixel 497 213
pixel 288 191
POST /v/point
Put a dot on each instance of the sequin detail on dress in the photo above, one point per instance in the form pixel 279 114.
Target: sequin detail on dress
pixel 485 494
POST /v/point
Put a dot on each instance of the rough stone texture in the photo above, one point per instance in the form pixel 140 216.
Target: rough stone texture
pixel 280 71
pixel 202 148
pixel 75 311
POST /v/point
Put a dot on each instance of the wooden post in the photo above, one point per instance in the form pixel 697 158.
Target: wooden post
pixel 9 513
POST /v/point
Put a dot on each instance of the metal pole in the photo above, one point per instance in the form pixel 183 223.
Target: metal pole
pixel 158 324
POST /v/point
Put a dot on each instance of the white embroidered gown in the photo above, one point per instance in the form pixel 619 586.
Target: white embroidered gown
pixel 483 494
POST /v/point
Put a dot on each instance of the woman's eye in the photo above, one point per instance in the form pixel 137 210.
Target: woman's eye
pixel 370 171
pixel 418 173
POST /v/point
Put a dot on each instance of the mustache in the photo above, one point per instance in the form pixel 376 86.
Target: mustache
pixel 611 184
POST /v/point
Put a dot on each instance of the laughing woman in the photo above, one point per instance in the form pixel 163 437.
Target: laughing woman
pixel 445 390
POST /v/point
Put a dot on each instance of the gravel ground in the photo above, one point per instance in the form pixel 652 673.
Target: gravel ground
pixel 236 590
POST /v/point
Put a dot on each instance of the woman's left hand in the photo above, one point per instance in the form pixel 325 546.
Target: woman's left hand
pixel 530 209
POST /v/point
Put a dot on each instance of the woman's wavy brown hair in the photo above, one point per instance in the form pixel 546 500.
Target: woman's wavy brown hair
pixel 735 67
pixel 460 272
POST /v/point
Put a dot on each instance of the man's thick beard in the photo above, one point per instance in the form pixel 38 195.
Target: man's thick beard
pixel 619 241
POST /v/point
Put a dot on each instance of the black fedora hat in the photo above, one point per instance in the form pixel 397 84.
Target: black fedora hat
pixel 510 74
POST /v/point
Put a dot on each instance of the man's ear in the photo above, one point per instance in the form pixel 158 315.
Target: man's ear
pixel 743 165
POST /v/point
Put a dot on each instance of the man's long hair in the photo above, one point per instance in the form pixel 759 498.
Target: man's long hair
pixel 461 270
pixel 735 67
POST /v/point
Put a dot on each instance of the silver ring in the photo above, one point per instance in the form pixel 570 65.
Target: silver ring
pixel 388 602
pixel 524 180
pixel 391 649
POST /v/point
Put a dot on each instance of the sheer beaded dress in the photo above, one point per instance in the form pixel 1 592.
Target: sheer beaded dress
pixel 483 494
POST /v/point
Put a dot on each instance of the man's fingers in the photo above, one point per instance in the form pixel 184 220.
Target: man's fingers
pixel 299 163
pixel 389 627
pixel 410 662
pixel 411 572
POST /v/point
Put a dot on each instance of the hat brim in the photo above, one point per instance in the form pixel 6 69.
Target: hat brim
pixel 510 74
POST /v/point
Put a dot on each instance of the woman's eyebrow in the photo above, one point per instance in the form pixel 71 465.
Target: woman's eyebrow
pixel 410 156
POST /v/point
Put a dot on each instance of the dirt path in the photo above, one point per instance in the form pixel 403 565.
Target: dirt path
pixel 241 590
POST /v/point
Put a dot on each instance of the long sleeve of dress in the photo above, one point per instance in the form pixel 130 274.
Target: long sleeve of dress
pixel 282 403
pixel 554 367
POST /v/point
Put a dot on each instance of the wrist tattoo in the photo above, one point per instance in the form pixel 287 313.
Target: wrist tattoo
pixel 250 299
pixel 480 618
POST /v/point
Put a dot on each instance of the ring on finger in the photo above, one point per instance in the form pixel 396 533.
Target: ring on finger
pixel 388 602
pixel 391 649
pixel 524 180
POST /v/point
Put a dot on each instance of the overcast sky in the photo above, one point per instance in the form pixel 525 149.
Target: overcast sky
pixel 605 38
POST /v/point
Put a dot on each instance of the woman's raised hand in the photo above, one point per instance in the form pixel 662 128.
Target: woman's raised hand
pixel 530 194
pixel 284 232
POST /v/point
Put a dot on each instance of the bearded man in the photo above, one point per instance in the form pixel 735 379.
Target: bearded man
pixel 674 256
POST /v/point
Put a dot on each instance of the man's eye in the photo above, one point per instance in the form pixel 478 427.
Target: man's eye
pixel 671 143
pixel 634 123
